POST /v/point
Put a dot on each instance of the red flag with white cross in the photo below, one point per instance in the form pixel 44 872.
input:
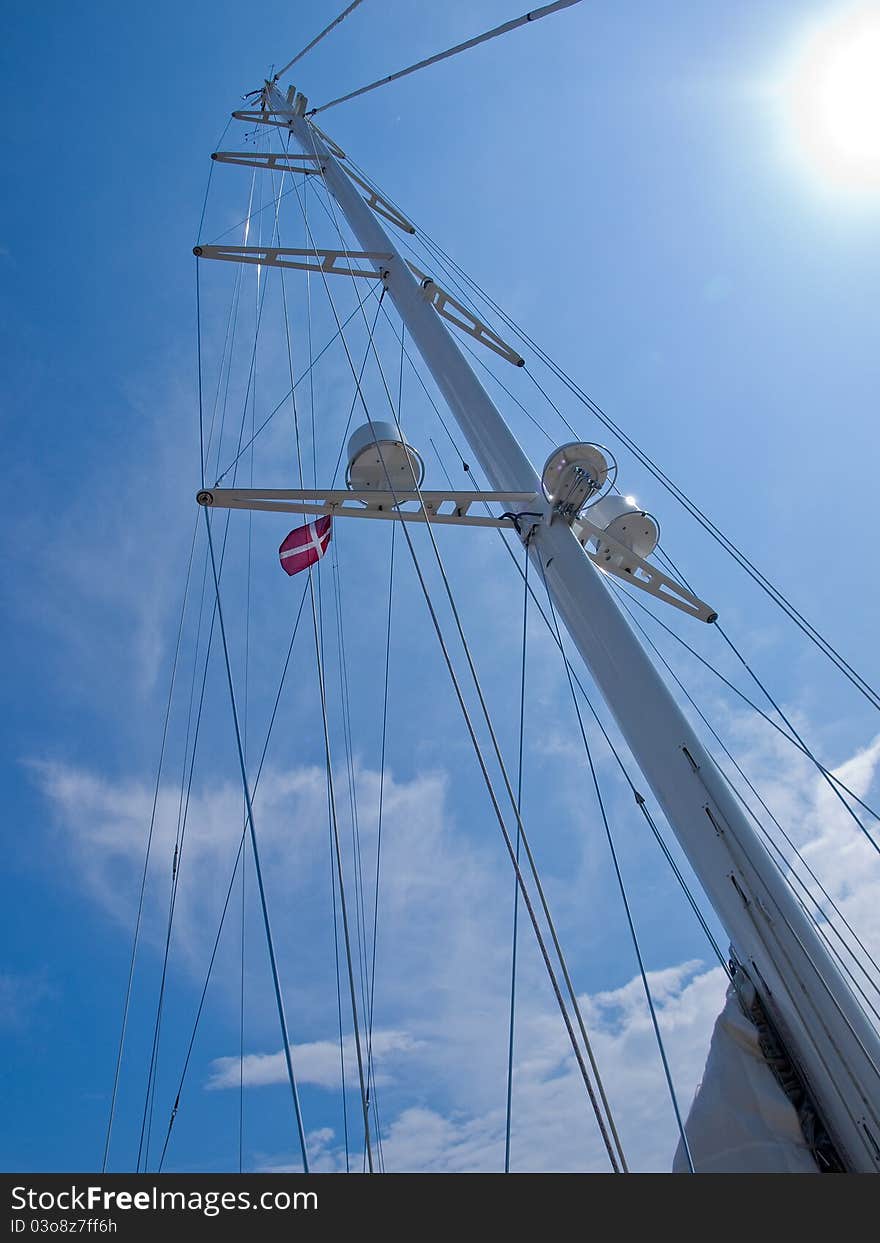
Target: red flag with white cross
pixel 305 545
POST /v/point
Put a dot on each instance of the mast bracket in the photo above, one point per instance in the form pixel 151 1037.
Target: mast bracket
pixel 280 161
pixel 288 257
pixel 450 308
pixel 644 575
pixel 448 508
pixel 264 116
pixel 381 205
pixel 333 147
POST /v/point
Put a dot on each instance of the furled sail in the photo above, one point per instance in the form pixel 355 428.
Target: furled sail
pixel 741 1120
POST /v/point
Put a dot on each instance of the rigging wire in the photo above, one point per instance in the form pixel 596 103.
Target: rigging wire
pixel 620 882
pixel 176 1106
pixel 519 780
pixel 776 706
pixel 290 392
pixel 338 992
pixel 345 705
pixel 230 886
pixel 247 652
pixel 516 401
pixel 148 850
pixel 242 932
pixel 180 834
pixel 795 734
pixel 792 971
pixel 182 822
pixel 199 367
pixel 379 817
pixel 338 976
pixel 557 946
pixel 256 855
pixel 827 776
pixel 790 966
pixel 359 887
pixel 822 928
pixel 357 861
pixel 254 215
pixel 503 29
pixel 482 762
pixel 381 807
pixel 875 983
pixel 208 184
pixel 146 1122
pixel 238 284
pixel 826 772
pixel 203 451
pixel 317 39
pixel 327 753
pixel 246 706
pixel 165 725
pixel 225 364
pixel 334 820
pixel 638 797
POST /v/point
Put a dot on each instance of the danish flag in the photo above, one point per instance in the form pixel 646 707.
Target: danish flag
pixel 305 545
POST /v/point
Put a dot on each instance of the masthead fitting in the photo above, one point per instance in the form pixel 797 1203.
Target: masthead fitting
pixel 574 474
pixel 380 460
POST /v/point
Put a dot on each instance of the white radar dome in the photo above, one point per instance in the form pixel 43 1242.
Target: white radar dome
pixel 379 460
pixel 621 519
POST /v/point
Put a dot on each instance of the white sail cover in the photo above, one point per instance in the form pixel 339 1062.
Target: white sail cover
pixel 741 1121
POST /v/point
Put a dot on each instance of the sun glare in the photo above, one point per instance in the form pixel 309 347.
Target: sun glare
pixel 833 97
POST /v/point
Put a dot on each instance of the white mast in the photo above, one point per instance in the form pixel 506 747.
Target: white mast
pixel 826 1033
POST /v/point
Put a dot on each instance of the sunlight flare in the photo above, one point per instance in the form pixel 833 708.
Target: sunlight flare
pixel 833 98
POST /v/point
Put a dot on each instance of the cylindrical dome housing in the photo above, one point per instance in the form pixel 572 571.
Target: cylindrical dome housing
pixel 572 474
pixel 379 461
pixel 630 526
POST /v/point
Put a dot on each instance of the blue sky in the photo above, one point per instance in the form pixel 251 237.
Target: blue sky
pixel 628 183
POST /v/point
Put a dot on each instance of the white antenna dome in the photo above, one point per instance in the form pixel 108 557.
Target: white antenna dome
pixel 633 528
pixel 380 461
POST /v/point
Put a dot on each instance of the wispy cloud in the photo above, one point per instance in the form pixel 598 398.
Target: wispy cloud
pixel 317 1063
pixel 21 994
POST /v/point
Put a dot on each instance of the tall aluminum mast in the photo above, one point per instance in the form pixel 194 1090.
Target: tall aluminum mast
pixel 825 1032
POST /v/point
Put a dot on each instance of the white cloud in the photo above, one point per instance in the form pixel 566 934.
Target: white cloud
pixel 830 842
pixel 103 827
pixel 444 962
pixel 317 1062
pixel 553 1129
